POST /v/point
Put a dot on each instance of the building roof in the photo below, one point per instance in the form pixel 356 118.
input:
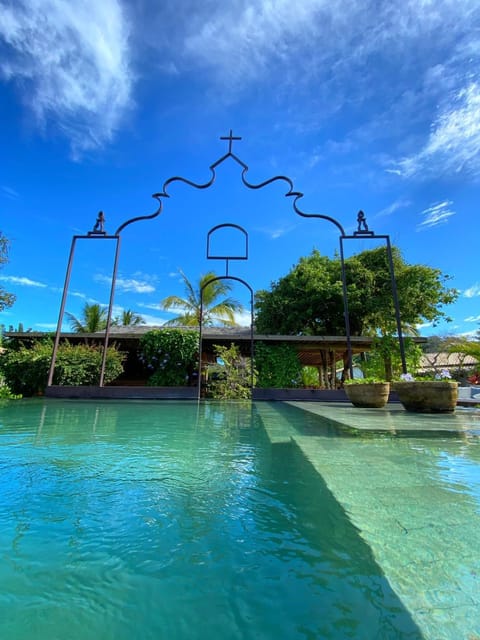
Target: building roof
pixel 311 349
pixel 445 360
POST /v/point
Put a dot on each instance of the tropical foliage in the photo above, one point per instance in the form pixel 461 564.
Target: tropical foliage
pixel 169 356
pixel 6 299
pixel 233 379
pixel 94 319
pixel 128 318
pixel 26 369
pixel 309 299
pixel 217 310
pixel 278 366
pixel 383 361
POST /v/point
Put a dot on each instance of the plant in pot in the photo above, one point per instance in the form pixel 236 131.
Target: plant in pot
pixel 369 392
pixel 428 394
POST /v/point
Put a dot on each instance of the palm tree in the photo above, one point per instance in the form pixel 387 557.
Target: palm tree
pixel 94 318
pixel 128 318
pixel 215 311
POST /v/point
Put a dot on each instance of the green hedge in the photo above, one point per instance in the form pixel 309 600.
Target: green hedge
pixel 277 366
pixel 170 356
pixel 26 369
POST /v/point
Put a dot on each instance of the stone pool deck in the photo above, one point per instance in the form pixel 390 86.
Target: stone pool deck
pixel 390 472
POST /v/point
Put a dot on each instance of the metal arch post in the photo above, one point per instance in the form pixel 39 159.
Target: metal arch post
pixel 64 300
pixel 110 309
pixel 62 311
pixel 345 308
pixel 393 282
pixel 252 350
pixel 200 333
pixel 401 341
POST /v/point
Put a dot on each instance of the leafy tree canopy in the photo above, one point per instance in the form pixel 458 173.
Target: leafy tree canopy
pixel 216 308
pixel 128 318
pixel 94 318
pixel 309 299
pixel 6 299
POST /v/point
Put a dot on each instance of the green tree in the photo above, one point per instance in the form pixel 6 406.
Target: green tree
pixel 278 366
pixel 234 380
pixel 94 318
pixel 128 318
pixel 25 368
pixel 216 310
pixel 309 299
pixel 169 355
pixel 422 292
pixel 6 299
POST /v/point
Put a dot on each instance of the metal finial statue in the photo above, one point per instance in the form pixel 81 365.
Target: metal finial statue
pixel 99 227
pixel 362 228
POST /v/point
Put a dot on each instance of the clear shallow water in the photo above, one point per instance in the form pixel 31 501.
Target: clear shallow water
pixel 172 520
pixel 414 499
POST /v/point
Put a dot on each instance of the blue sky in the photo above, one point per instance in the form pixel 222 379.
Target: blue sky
pixel 363 104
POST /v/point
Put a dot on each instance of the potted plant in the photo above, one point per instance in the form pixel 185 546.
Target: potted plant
pixel 428 395
pixel 367 392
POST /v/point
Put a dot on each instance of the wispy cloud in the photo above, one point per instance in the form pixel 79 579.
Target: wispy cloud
pixel 436 214
pixel 472 319
pixel 392 208
pixel 127 284
pixel 276 232
pixel 9 192
pixel 153 305
pixel 153 320
pixel 47 326
pixel 70 62
pixel 472 291
pixel 453 144
pixel 22 281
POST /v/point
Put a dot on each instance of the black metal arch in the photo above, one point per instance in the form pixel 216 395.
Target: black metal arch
pixel 366 233
pixel 98 231
pixel 290 193
pixel 200 337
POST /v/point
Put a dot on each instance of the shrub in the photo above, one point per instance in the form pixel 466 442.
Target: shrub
pixel 170 355
pixel 26 369
pixel 278 366
pixel 383 361
pixel 233 379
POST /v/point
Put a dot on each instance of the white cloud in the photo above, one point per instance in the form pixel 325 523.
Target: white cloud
pixel 153 320
pixel 472 291
pixel 472 319
pixel 9 192
pixel 453 145
pixel 276 232
pixel 392 208
pixel 22 281
pixel 70 61
pixel 127 284
pixel 243 318
pixel 48 326
pixel 154 306
pixel 436 214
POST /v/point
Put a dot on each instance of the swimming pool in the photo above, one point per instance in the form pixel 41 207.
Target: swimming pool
pixel 181 520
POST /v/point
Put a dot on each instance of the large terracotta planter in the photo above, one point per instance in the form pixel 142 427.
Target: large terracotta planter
pixel 428 396
pixel 368 394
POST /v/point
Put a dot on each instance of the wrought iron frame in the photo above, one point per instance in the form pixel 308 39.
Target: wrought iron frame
pixel 356 236
pixel 99 233
pixel 227 259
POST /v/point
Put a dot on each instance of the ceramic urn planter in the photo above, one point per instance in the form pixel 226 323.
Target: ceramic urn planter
pixel 368 394
pixel 428 396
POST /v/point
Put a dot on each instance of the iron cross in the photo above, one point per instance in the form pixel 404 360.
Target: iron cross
pixel 230 139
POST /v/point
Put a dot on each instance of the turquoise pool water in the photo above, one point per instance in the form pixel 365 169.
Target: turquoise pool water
pixel 182 521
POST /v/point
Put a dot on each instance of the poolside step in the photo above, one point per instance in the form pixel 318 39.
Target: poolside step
pixel 418 521
pixel 277 426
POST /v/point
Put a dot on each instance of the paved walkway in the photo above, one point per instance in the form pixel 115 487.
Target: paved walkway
pixel 411 485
